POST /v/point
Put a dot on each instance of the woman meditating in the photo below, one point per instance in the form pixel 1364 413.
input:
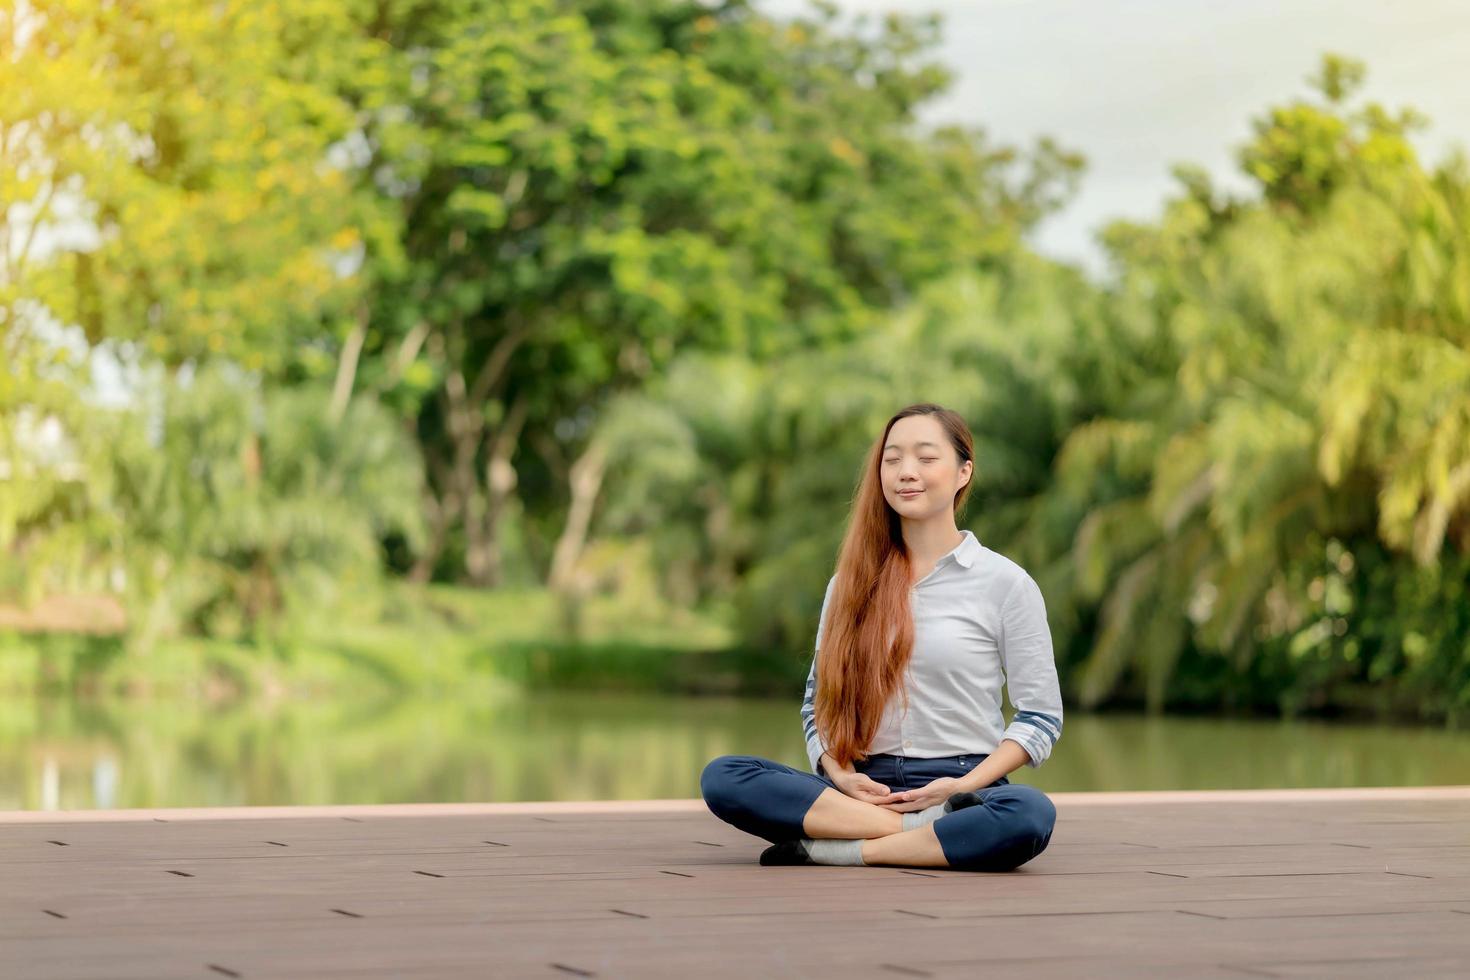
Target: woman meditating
pixel 920 626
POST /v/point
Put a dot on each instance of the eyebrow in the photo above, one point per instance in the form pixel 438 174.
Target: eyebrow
pixel 892 445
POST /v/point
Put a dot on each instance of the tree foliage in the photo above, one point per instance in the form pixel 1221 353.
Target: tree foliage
pixel 513 286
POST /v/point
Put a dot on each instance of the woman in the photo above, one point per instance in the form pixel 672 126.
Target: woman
pixel 920 612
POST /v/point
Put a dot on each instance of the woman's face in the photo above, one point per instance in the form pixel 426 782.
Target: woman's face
pixel 921 471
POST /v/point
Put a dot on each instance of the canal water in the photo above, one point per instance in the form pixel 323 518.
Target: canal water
pixel 61 754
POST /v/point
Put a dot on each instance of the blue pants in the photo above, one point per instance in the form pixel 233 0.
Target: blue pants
pixel 1011 826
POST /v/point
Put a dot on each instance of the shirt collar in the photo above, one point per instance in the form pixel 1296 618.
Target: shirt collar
pixel 966 551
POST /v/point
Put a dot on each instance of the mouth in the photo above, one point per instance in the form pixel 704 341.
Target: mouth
pixel 907 494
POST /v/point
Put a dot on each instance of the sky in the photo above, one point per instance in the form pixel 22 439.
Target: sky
pixel 1139 85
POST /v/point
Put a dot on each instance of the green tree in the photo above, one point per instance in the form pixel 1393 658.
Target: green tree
pixel 1299 384
pixel 173 162
pixel 177 192
pixel 240 505
pixel 589 188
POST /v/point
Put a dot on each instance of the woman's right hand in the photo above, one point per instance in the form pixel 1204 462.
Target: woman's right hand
pixel 860 787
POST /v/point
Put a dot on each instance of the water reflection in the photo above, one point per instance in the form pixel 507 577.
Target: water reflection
pixel 578 746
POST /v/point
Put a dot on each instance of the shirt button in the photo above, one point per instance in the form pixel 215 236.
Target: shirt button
pixel 908 745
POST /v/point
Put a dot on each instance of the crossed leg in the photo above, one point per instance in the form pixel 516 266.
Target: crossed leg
pixel 835 814
pixel 1011 825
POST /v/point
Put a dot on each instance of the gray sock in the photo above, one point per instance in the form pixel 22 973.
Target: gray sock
pixel 834 850
pixel 915 819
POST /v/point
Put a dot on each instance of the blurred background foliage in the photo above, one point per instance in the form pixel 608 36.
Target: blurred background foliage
pixel 412 341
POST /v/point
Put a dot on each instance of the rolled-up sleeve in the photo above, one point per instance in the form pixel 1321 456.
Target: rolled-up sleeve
pixel 814 744
pixel 1031 672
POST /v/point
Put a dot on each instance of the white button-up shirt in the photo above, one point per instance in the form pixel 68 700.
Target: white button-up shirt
pixel 979 622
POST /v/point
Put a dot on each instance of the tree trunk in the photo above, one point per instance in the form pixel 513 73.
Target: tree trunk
pixel 465 421
pixel 441 511
pixel 347 368
pixel 479 547
pixel 586 482
pixel 464 427
pixel 500 482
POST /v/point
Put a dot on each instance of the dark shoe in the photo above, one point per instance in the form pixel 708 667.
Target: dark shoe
pixel 786 852
pixel 961 800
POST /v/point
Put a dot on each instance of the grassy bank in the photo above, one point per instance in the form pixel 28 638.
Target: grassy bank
pixel 414 639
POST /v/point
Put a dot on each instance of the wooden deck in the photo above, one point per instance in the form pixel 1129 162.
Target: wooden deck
pixel 1324 883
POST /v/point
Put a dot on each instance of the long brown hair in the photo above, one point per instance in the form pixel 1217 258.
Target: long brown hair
pixel 868 633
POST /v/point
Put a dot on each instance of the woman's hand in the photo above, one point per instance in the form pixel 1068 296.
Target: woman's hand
pixel 924 797
pixel 860 787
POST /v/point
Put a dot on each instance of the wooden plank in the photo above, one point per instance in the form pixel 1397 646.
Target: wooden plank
pixel 1303 883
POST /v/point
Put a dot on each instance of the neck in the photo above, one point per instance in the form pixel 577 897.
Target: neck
pixel 930 540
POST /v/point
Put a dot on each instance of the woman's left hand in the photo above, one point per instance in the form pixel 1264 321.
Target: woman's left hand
pixel 925 796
